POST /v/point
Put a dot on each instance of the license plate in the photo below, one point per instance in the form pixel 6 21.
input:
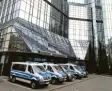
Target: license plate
pixel 47 82
pixel 64 79
pixel 61 79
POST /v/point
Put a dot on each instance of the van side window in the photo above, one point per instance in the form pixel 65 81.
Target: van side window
pixel 44 66
pixel 71 68
pixel 15 66
pixel 30 69
pixel 19 67
pixel 50 69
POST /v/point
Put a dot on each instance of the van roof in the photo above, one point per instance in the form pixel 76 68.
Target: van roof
pixel 27 63
pixel 51 64
pixel 68 64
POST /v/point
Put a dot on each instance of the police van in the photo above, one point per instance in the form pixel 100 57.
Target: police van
pixel 84 72
pixel 31 73
pixel 57 74
pixel 69 74
pixel 77 73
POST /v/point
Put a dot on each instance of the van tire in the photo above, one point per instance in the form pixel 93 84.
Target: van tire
pixel 71 79
pixel 53 81
pixel 13 80
pixel 33 84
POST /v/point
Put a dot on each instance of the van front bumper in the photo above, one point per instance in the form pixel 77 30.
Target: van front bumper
pixel 60 79
pixel 44 82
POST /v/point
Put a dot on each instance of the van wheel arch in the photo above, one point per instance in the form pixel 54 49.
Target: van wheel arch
pixel 13 79
pixel 34 84
pixel 54 80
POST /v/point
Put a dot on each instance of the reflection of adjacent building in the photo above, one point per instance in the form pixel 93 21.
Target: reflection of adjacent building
pixel 85 25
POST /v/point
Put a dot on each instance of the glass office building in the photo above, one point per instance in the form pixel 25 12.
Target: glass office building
pixel 107 18
pixel 34 26
pixel 90 31
pixel 79 26
pixel 85 26
pixel 34 30
pixel 86 31
pixel 55 30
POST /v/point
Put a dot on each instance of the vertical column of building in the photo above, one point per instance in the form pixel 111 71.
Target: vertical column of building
pixel 2 7
pixel 4 38
pixel 3 57
pixel 107 20
pixel 94 25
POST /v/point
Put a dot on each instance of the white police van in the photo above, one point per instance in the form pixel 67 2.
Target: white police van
pixel 69 74
pixel 57 74
pixel 77 73
pixel 85 74
pixel 31 73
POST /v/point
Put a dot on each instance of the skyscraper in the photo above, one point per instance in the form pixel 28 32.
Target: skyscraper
pixel 34 30
pixel 41 30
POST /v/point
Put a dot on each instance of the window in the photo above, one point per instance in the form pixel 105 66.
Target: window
pixel 57 68
pixel 50 69
pixel 44 66
pixel 71 68
pixel 15 67
pixel 19 67
pixel 39 68
pixel 30 69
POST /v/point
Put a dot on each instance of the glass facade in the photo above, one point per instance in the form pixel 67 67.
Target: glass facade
pixel 90 31
pixel 48 20
pixel 38 12
pixel 79 26
pixel 35 26
pixel 85 26
pixel 107 18
pixel 75 28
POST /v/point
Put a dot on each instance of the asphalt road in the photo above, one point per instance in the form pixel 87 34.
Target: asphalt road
pixel 92 83
pixel 96 84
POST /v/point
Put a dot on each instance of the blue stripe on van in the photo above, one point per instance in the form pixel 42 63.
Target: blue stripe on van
pixel 23 75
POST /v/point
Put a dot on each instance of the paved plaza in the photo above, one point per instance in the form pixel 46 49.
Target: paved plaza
pixel 92 83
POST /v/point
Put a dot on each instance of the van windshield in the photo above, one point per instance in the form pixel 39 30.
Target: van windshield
pixel 58 68
pixel 39 68
pixel 77 67
pixel 65 67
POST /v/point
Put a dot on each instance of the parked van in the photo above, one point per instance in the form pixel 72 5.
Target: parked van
pixel 57 74
pixel 69 74
pixel 72 68
pixel 31 73
pixel 85 74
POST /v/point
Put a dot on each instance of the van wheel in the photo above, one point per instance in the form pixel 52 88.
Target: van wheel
pixel 13 79
pixel 71 79
pixel 33 84
pixel 53 81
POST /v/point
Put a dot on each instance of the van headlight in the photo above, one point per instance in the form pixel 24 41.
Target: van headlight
pixel 84 72
pixel 64 76
pixel 76 73
pixel 60 76
pixel 69 75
